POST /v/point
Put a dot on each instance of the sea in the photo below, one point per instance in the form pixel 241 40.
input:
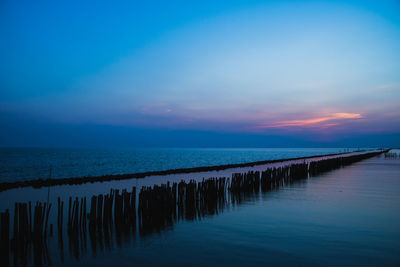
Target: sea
pixel 19 164
pixel 345 217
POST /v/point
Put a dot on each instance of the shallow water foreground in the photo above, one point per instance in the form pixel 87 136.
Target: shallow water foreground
pixel 347 216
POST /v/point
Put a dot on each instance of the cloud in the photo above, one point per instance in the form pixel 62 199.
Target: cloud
pixel 320 122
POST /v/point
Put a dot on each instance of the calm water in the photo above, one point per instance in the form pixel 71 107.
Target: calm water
pixel 349 216
pixel 33 163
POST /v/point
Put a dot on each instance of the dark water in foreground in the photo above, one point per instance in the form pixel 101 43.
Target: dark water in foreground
pixel 32 163
pixel 349 216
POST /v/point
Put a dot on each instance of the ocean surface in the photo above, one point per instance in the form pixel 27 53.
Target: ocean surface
pixel 349 216
pixel 18 164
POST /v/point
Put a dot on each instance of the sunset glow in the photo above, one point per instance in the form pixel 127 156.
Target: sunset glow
pixel 266 68
pixel 315 122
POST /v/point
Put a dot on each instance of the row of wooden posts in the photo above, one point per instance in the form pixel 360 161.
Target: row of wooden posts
pixel 320 166
pixel 392 155
pixel 157 209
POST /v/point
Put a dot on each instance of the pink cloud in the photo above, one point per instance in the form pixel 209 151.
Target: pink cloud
pixel 320 122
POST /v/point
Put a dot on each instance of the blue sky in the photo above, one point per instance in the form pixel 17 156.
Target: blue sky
pixel 312 70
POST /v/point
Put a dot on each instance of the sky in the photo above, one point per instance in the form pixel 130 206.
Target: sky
pixel 199 73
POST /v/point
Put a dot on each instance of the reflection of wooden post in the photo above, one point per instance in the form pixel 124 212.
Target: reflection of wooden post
pixel 15 220
pixel 30 219
pixel 71 221
pixel 76 218
pixel 47 219
pixel 84 214
pixel 62 215
pixel 5 238
pixel 58 211
pixel 99 209
pixel 93 211
pixel 81 214
pixel 69 213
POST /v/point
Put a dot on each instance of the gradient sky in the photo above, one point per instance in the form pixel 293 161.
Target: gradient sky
pixel 313 70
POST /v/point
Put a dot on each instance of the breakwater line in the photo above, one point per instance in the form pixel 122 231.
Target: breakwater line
pixel 37 183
